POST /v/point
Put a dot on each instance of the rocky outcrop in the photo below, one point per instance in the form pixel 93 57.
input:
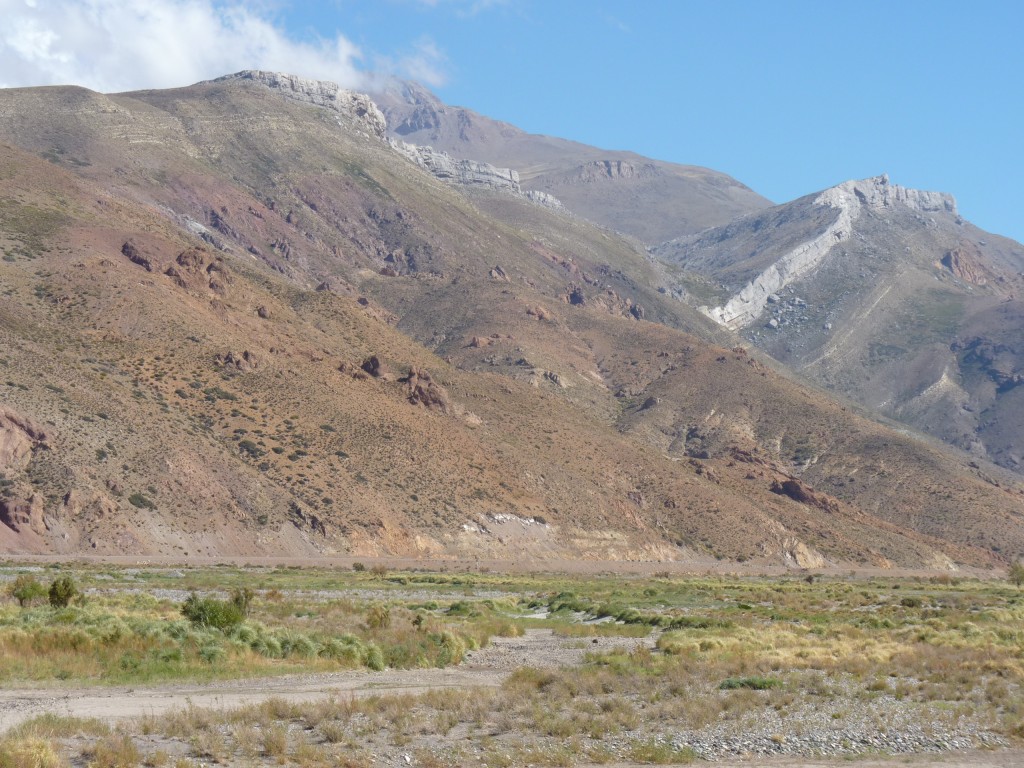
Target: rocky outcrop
pixel 86 504
pixel 997 361
pixel 23 515
pixel 322 93
pixel 196 268
pixel 19 437
pixel 466 172
pixel 470 173
pixel 545 199
pixel 849 200
pixel 244 362
pixel 423 390
pixel 599 170
pixel 964 265
pixel 799 492
pixel 374 367
pixel 136 255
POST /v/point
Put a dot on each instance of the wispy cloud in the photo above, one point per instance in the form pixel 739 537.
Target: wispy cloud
pixel 426 63
pixel 616 23
pixel 113 45
pixel 463 8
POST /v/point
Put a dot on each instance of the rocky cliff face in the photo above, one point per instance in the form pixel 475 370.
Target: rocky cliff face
pixel 467 172
pixel 322 93
pixel 470 173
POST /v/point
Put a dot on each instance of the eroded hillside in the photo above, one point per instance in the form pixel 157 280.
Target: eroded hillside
pixel 238 321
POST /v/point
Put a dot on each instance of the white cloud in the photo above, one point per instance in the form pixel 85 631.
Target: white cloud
pixel 115 45
pixel 427 64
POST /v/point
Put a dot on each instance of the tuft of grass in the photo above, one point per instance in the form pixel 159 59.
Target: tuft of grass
pixel 29 752
pixel 114 752
pixel 752 683
pixel 52 726
pixel 658 752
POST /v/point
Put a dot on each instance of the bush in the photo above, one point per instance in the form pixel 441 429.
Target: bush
pixel 753 683
pixel 25 589
pixel 1016 574
pixel 207 612
pixel 378 617
pixel 62 590
pixel 241 598
pixel 141 501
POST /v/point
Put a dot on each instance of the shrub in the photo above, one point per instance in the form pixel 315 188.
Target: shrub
pixel 753 683
pixel 378 617
pixel 374 658
pixel 207 612
pixel 62 590
pixel 1016 574
pixel 25 589
pixel 241 598
pixel 141 501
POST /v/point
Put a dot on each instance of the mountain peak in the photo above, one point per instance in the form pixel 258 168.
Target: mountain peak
pixel 878 192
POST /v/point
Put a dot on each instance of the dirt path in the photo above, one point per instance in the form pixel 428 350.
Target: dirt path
pixel 484 668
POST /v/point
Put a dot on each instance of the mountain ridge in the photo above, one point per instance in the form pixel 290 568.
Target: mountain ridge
pixel 245 327
pixel 877 292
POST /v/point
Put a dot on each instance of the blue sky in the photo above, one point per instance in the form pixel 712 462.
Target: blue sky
pixel 788 97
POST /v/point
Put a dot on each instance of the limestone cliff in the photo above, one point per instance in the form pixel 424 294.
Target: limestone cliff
pixel 467 172
pixel 322 93
pixel 471 173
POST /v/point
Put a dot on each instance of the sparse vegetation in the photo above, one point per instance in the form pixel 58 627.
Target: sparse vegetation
pixel 749 646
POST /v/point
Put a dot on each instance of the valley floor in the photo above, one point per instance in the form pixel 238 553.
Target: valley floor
pixel 759 671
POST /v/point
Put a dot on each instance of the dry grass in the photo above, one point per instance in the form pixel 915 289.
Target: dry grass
pixel 936 652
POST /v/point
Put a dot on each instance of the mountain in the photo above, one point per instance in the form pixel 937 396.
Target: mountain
pixel 650 200
pixel 237 320
pixel 884 294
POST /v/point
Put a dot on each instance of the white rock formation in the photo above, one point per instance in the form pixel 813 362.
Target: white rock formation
pixel 322 93
pixel 468 172
pixel 850 199
pixel 471 173
pixel 545 199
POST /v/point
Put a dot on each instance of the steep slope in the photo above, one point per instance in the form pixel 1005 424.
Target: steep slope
pixel 651 200
pixel 884 294
pixel 237 320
